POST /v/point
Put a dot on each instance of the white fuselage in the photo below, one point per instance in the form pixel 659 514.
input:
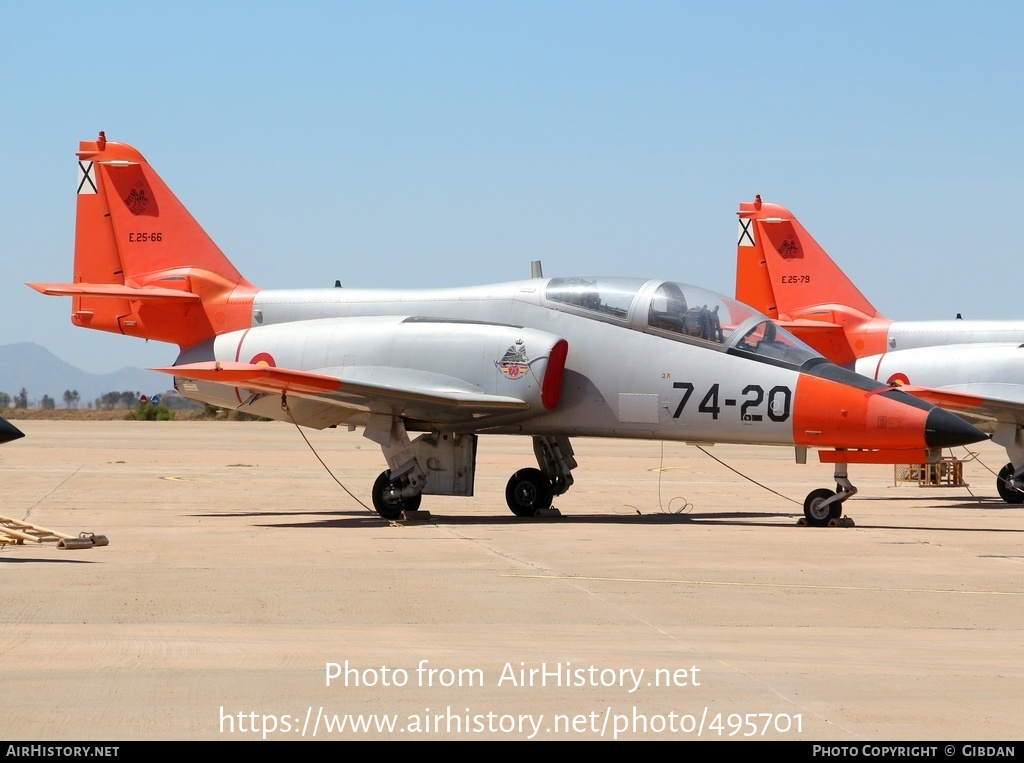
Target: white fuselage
pixel 622 379
pixel 909 335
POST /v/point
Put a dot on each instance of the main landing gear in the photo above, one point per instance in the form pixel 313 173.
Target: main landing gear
pixel 531 490
pixel 822 506
pixel 388 500
pixel 1011 488
pixel 400 487
pixel 528 491
pixel 444 463
pixel 1010 482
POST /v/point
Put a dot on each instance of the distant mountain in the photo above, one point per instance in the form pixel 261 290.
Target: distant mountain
pixel 40 372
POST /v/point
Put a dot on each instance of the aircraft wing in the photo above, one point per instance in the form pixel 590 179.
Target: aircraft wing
pixel 421 394
pixel 979 403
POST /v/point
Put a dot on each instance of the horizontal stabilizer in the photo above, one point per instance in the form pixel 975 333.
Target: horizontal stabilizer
pixel 114 291
pixel 797 326
pixel 827 338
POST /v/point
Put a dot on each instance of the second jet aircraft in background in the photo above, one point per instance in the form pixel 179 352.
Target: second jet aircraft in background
pixel 975 368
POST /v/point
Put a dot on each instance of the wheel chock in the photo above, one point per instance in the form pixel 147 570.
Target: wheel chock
pixel 84 540
pixel 416 516
pixel 841 522
pixel 74 543
pixel 552 512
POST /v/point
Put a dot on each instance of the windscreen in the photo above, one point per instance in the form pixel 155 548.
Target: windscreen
pixel 608 296
pixel 696 313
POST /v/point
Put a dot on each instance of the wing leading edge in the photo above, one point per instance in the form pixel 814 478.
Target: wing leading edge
pixel 380 389
pixel 978 403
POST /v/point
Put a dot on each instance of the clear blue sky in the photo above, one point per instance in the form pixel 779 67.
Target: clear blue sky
pixel 446 143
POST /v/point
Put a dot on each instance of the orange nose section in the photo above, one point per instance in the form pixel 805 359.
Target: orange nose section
pixel 831 414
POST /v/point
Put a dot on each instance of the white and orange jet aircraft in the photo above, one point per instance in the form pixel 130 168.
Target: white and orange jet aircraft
pixel 975 368
pixel 550 358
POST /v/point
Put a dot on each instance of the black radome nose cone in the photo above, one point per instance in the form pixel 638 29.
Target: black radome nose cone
pixel 8 431
pixel 945 430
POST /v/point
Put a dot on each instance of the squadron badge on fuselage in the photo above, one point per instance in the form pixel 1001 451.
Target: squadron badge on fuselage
pixel 515 363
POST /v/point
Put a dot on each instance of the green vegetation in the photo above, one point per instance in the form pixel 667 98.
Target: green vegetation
pixel 117 400
pixel 115 405
pixel 148 412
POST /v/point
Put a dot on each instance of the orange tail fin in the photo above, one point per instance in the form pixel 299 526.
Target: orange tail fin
pixel 143 265
pixel 783 272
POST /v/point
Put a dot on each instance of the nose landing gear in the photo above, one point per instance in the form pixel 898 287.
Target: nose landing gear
pixel 823 505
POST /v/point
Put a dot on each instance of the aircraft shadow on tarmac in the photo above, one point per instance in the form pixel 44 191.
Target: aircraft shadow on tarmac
pixel 359 519
pixel 362 519
pixel 988 503
pixel 589 519
pixel 627 515
pixel 19 560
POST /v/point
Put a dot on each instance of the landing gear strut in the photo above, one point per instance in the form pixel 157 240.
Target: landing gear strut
pixel 822 506
pixel 399 488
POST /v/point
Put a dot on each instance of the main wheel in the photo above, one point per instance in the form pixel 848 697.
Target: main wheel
pixel 1007 492
pixel 527 491
pixel 387 507
pixel 817 512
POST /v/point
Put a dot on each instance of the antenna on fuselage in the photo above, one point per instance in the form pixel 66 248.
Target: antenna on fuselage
pixel 536 271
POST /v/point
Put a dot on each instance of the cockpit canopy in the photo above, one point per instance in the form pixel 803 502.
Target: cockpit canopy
pixel 683 312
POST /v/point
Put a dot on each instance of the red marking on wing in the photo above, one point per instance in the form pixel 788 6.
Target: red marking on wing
pixel 256 377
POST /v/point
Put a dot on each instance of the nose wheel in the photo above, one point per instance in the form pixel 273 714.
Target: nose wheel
pixel 527 492
pixel 822 505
